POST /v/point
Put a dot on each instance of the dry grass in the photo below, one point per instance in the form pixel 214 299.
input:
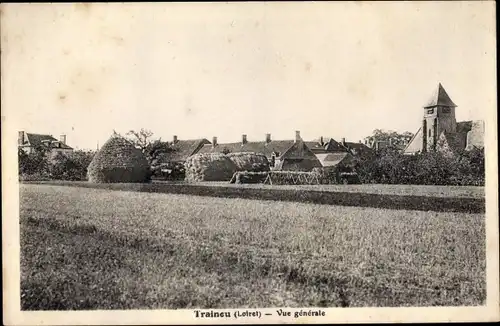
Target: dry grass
pixel 99 249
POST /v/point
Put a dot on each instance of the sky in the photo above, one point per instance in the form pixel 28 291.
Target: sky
pixel 338 69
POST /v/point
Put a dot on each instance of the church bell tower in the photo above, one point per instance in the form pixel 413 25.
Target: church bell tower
pixel 439 116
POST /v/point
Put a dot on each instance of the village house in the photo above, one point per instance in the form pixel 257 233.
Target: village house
pixel 395 144
pixel 30 142
pixel 441 132
pixel 293 155
pixel 330 152
pixel 182 149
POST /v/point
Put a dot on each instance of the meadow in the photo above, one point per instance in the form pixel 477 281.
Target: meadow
pixel 84 248
pixel 465 199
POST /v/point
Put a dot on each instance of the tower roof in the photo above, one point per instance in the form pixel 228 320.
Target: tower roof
pixel 440 97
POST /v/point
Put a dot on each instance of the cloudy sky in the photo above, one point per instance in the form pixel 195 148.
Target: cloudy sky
pixel 202 70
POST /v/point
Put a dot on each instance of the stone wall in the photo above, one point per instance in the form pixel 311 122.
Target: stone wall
pixel 475 137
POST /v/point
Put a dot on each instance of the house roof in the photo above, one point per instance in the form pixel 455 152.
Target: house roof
pixel 332 159
pixel 279 146
pixel 456 140
pixel 360 148
pixel 416 143
pixel 39 140
pixel 329 145
pixel 315 145
pixel 475 137
pixel 182 149
pixel 440 97
pixel 464 126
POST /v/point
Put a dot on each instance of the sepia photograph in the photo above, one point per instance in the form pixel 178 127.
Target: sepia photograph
pixel 249 162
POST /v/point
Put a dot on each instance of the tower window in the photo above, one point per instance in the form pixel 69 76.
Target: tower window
pixel 429 132
pixel 446 110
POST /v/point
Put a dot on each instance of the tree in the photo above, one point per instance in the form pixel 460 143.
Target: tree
pixel 397 140
pixel 152 148
pixel 385 135
pixel 34 162
pixel 71 166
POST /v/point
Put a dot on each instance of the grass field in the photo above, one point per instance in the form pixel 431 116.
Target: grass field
pixel 384 189
pixel 444 199
pixel 98 249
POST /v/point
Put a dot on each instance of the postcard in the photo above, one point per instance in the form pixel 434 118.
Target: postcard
pixel 249 163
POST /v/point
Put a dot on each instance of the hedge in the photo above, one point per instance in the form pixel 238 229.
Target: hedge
pixel 433 168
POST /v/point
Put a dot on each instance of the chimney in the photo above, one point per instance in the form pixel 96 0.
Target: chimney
pixel 390 141
pixel 297 136
pixel 268 138
pixel 20 138
pixel 214 141
pixel 175 139
pixel 343 141
pixel 360 142
pixel 243 139
pixel 62 139
pixel 321 140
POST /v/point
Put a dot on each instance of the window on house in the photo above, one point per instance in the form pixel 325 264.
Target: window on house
pixel 430 111
pixel 429 132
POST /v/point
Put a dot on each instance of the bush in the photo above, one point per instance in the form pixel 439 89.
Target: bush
pixel 71 166
pixel 34 163
pixel 37 165
pixel 432 168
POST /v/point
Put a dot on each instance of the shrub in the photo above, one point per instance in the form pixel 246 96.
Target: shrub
pixel 431 168
pixel 34 163
pixel 71 166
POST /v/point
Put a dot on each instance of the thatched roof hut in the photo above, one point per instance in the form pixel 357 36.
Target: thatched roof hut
pixel 249 161
pixel 118 161
pixel 209 167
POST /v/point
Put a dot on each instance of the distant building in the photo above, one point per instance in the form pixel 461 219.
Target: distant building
pixel 441 132
pixel 357 149
pixel 292 155
pixel 182 149
pixel 398 144
pixel 330 152
pixel 30 142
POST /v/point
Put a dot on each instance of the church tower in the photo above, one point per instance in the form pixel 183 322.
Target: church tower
pixel 439 116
